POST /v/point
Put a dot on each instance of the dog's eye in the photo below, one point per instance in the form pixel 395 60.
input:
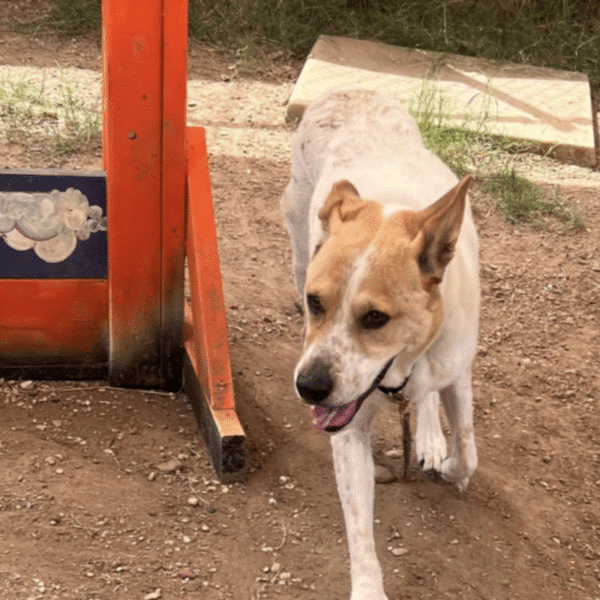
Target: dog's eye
pixel 374 319
pixel 314 305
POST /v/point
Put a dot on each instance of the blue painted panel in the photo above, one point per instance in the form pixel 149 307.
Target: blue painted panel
pixel 52 235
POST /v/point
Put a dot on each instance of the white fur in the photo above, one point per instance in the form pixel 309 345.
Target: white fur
pixel 371 141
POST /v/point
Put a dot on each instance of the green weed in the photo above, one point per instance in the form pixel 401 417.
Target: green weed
pixel 50 128
pixel 563 34
pixel 472 149
pixel 521 201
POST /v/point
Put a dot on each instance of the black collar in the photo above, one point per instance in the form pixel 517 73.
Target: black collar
pixel 390 391
pixel 375 385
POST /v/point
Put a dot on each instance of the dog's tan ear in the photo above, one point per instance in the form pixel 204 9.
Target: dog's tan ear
pixel 438 232
pixel 342 204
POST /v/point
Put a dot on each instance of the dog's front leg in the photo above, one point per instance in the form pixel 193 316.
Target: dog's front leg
pixel 355 475
pixel 458 405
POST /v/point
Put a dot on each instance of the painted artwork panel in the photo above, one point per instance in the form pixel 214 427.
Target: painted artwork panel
pixel 53 224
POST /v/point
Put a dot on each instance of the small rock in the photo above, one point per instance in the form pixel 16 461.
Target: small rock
pixel 186 539
pixel 193 501
pixel 399 551
pixel 26 385
pixel 151 476
pixel 169 466
pixel 394 453
pixel 383 474
pixel 155 595
pixel 275 567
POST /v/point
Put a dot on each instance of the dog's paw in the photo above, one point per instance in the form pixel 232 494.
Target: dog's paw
pixel 458 471
pixel 431 449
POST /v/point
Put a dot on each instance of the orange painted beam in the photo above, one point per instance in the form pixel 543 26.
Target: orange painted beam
pixel 174 95
pixel 221 428
pixel 211 345
pixel 53 321
pixel 132 108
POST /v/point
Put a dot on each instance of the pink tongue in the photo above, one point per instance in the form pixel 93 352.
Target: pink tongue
pixel 337 417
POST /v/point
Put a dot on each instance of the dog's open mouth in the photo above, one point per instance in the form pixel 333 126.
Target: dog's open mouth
pixel 335 418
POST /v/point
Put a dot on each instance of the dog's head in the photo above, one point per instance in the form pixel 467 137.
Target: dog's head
pixel 371 297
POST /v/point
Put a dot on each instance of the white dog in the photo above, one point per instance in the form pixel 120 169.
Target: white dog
pixel 386 260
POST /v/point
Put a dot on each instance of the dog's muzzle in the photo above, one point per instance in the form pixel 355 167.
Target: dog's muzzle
pixel 315 385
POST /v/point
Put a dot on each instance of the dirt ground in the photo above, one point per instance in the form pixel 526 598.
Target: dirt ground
pixel 109 494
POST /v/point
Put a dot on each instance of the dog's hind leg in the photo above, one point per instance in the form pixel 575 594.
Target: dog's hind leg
pixel 457 400
pixel 355 474
pixel 430 442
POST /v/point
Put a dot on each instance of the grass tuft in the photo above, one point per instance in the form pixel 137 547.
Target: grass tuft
pixel 472 149
pixel 71 18
pixel 51 129
pixel 563 34
pixel 521 201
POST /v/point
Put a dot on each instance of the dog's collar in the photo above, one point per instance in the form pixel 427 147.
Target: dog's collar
pixel 374 386
pixel 390 391
pixel 366 394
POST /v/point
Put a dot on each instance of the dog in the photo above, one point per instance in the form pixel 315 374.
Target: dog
pixel 385 257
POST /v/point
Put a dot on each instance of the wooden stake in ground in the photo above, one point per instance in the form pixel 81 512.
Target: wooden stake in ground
pixel 403 409
pixel 406 441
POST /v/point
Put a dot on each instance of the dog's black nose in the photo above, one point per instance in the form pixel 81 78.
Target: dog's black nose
pixel 315 383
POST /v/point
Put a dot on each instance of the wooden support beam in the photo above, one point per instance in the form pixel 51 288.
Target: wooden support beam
pixel 174 94
pixel 207 373
pixel 145 73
